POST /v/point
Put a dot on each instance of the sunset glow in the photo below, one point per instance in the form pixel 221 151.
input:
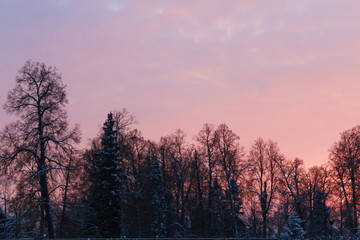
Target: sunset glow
pixel 287 71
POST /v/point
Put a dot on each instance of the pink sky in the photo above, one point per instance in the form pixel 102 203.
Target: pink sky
pixel 284 70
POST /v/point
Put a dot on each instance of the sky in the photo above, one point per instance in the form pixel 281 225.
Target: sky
pixel 284 70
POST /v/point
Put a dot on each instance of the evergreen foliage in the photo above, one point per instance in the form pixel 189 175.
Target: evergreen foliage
pixel 106 183
pixel 3 221
pixel 217 219
pixel 234 206
pixel 320 219
pixel 158 201
pixel 293 230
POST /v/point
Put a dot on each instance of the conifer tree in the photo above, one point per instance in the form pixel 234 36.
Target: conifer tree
pixel 158 201
pixel 3 221
pixel 293 230
pixel 320 219
pixel 234 206
pixel 106 182
pixel 217 220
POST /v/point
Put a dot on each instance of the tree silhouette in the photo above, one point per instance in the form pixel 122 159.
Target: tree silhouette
pixel 106 182
pixel 37 142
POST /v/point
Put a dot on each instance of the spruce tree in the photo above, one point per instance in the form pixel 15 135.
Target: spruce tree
pixel 218 213
pixel 320 216
pixel 158 201
pixel 106 182
pixel 3 222
pixel 293 230
pixel 234 206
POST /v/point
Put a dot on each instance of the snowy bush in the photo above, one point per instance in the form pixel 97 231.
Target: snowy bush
pixel 293 230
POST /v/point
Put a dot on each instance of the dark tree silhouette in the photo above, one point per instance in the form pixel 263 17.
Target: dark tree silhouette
pixel 207 140
pixel 197 205
pixel 230 158
pixel 264 174
pixel 39 139
pixel 159 205
pixel 2 224
pixel 345 160
pixel 177 157
pixel 106 183
pixel 319 223
pixel 218 211
pixel 292 176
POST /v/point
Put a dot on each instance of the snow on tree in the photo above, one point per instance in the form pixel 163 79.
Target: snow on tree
pixel 36 144
pixel 323 210
pixel 218 213
pixel 158 201
pixel 2 223
pixel 107 181
pixel 230 158
pixel 293 230
pixel 320 216
pixel 234 225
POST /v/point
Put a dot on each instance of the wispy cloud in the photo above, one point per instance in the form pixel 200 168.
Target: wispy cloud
pixel 287 71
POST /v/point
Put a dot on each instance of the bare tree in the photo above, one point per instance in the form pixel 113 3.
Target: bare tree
pixel 318 191
pixel 345 161
pixel 178 157
pixel 41 134
pixel 293 179
pixel 265 175
pixel 124 121
pixel 230 155
pixel 197 201
pixel 206 148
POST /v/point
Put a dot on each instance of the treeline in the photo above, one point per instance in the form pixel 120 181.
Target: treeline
pixel 123 185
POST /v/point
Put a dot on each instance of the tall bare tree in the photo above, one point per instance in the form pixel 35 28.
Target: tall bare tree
pixel 345 161
pixel 265 176
pixel 178 156
pixel 206 147
pixel 292 174
pixel 230 157
pixel 42 134
pixel 319 189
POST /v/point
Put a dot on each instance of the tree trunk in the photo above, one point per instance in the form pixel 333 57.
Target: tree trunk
pixel 264 210
pixel 354 200
pixel 233 213
pixel 63 213
pixel 264 224
pixel 45 200
pixel 44 189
